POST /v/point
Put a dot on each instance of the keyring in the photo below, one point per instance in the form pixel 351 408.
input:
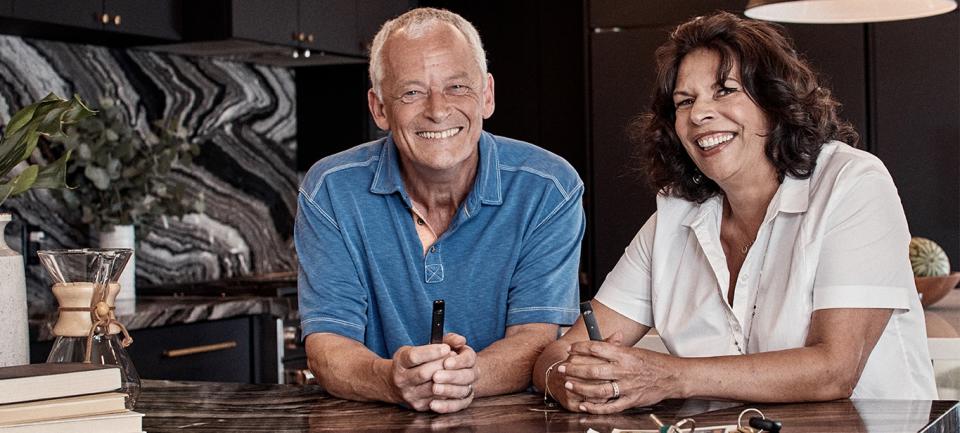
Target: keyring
pixel 676 427
pixel 740 418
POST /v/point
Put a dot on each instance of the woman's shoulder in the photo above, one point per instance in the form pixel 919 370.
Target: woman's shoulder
pixel 838 156
pixel 839 162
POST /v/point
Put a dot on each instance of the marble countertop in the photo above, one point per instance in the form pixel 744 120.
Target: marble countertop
pixel 216 407
pixel 154 311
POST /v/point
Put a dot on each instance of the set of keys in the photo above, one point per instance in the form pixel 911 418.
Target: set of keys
pixel 756 424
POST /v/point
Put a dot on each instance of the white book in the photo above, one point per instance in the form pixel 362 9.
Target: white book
pixel 41 381
pixel 127 421
pixel 67 407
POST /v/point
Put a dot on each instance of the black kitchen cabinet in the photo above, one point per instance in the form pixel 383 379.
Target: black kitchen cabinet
pixel 838 52
pixel 6 7
pixel 154 18
pixel 371 14
pixel 331 25
pixel 159 19
pixel 245 349
pixel 318 25
pixel 916 102
pixel 242 349
pixel 622 79
pixel 74 13
pixel 262 20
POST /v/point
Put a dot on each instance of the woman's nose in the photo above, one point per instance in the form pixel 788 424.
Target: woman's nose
pixel 702 111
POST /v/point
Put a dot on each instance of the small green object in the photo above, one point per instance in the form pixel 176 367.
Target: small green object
pixel 927 258
pixel 45 118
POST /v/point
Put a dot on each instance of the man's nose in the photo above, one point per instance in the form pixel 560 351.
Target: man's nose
pixel 437 108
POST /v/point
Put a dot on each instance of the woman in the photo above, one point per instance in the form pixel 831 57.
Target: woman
pixel 775 268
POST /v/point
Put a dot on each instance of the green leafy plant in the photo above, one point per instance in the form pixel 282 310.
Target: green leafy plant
pixel 119 178
pixel 20 137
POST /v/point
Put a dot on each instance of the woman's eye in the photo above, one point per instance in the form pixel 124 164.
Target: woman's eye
pixel 726 91
pixel 683 102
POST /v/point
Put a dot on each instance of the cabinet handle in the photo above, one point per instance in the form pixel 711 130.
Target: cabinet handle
pixel 176 353
pixel 105 18
pixel 116 20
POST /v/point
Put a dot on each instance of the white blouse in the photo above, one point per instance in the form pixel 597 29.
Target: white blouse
pixel 838 239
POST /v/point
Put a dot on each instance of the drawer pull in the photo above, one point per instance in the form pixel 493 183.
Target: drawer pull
pixel 176 353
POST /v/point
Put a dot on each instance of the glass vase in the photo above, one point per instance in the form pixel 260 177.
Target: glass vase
pixel 85 285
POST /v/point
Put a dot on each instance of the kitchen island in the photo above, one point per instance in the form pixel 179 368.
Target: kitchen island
pixel 216 407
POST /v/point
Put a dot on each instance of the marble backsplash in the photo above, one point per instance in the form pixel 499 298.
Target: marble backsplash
pixel 242 115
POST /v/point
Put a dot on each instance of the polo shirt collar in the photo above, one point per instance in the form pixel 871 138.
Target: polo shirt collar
pixel 486 189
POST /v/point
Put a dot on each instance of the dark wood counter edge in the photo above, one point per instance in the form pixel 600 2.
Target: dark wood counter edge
pixel 171 406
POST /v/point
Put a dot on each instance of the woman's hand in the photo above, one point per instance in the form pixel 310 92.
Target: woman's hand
pixel 642 377
pixel 569 398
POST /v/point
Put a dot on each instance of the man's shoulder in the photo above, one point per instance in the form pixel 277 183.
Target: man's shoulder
pixel 521 156
pixel 358 161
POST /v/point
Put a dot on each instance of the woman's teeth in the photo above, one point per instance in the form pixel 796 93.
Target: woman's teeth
pixel 439 134
pixel 712 141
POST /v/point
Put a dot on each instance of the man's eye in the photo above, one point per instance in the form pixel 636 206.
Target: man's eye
pixel 411 96
pixel 458 90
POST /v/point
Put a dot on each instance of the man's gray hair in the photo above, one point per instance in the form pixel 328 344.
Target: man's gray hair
pixel 416 23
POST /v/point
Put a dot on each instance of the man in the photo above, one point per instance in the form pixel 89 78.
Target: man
pixel 438 209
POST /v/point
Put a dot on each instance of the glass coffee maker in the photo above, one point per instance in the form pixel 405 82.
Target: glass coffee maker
pixel 87 330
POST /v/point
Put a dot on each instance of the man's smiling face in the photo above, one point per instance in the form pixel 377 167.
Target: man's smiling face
pixel 434 98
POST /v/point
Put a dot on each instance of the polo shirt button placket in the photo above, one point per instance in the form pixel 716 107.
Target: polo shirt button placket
pixel 433 266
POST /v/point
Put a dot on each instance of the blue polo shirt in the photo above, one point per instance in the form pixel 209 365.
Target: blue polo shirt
pixel 509 257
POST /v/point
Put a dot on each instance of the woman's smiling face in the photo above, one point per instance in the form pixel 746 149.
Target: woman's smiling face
pixel 721 127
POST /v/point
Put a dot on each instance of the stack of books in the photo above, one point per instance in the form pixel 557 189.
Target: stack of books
pixel 77 398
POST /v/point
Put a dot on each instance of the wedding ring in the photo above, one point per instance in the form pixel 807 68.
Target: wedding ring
pixel 616 390
pixel 471 391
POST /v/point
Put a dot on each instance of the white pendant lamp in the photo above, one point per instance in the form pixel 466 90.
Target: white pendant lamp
pixel 845 11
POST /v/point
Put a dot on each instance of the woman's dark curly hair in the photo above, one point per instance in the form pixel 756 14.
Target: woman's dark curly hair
pixel 802 115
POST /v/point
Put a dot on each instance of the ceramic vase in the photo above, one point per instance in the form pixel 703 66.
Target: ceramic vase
pixel 124 236
pixel 14 334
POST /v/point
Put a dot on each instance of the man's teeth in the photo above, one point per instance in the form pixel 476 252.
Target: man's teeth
pixel 440 134
pixel 713 140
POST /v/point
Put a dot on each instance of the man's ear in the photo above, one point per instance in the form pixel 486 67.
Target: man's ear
pixel 488 99
pixel 378 110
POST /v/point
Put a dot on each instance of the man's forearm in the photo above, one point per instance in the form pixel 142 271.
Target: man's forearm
pixel 347 369
pixel 505 366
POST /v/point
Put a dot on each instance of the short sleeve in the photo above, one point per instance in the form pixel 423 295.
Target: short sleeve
pixel 864 258
pixel 331 297
pixel 627 288
pixel 545 286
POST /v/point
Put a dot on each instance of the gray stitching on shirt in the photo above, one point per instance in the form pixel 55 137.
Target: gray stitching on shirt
pixel 341 167
pixel 319 209
pixel 328 319
pixel 558 309
pixel 556 182
pixel 554 211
